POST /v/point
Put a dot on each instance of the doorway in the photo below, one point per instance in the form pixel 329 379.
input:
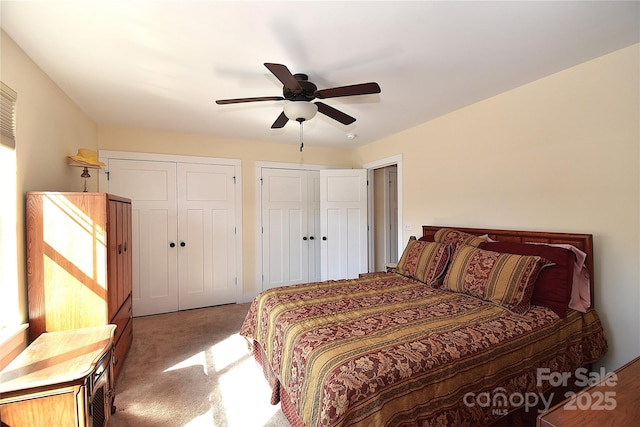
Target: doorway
pixel 385 217
pixel 385 212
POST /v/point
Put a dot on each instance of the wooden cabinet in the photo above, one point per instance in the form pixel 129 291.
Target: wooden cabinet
pixel 79 264
pixel 62 379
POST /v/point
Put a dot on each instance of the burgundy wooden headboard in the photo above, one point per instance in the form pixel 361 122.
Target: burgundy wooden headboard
pixel 584 242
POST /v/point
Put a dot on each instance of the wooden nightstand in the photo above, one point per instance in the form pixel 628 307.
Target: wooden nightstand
pixel 62 379
pixel 600 404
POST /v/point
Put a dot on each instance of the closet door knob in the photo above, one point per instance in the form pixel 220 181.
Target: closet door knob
pixel 311 238
pixel 172 245
pixel 304 238
pixel 183 244
pixel 324 237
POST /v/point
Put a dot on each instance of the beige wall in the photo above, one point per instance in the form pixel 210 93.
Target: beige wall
pixel 559 154
pixel 49 127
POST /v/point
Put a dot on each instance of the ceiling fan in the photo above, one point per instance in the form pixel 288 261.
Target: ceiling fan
pixel 298 89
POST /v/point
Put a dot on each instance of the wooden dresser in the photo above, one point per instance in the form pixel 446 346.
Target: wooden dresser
pixel 79 264
pixel 62 379
pixel 609 402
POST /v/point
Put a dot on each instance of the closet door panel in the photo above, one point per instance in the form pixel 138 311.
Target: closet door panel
pixel 313 226
pixel 222 262
pixel 333 261
pixel 191 266
pixel 297 246
pixel 206 230
pixel 285 241
pixel 152 188
pixel 343 205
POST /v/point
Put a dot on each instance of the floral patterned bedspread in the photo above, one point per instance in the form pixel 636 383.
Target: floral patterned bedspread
pixel 388 350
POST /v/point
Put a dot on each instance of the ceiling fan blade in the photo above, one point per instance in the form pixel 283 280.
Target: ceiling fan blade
pixel 338 115
pixel 284 75
pixel 239 100
pixel 351 90
pixel 280 121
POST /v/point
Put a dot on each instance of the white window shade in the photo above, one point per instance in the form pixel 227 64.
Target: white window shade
pixel 7 116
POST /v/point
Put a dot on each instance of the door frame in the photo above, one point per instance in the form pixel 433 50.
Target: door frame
pixel 370 167
pixel 105 155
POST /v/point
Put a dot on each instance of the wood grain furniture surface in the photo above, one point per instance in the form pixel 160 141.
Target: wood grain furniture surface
pixel 61 379
pixel 610 402
pixel 79 261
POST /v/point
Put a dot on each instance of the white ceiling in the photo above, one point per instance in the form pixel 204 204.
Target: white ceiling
pixel 162 64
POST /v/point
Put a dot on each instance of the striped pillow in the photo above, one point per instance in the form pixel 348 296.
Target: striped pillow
pixel 500 278
pixel 457 237
pixel 424 261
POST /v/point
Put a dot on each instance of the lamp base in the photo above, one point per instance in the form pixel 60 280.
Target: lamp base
pixel 85 178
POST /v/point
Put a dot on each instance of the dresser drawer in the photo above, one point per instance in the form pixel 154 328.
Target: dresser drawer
pixel 121 348
pixel 122 317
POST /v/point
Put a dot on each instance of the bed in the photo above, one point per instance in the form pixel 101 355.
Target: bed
pixel 469 329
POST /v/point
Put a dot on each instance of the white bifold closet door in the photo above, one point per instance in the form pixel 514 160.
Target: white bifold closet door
pixel 183 233
pixel 206 234
pixel 290 227
pixel 343 223
pixel 314 225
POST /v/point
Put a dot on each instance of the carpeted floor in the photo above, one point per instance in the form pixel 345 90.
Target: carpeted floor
pixel 191 368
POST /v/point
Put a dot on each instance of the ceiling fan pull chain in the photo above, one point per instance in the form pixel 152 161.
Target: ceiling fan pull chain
pixel 301 142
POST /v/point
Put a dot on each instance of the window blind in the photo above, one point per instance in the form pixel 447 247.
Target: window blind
pixel 7 116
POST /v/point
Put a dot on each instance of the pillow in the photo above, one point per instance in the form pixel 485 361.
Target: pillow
pixel 553 287
pixel 457 237
pixel 503 279
pixel 581 289
pixel 424 261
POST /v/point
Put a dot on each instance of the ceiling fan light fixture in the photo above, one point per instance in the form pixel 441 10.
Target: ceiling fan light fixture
pixel 300 110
